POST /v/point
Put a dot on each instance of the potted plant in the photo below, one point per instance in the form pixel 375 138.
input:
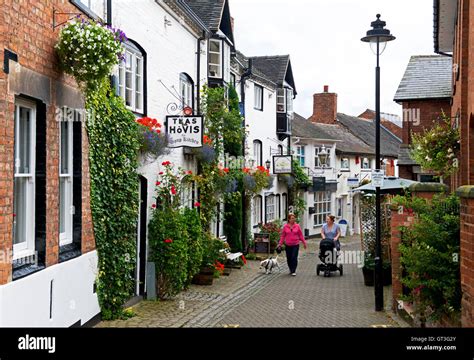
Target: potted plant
pixel 368 271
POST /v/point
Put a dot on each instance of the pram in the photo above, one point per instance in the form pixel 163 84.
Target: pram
pixel 328 254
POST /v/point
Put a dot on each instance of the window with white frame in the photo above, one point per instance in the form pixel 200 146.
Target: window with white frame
pixel 300 155
pixel 186 87
pixel 131 75
pixel 281 101
pixel 65 182
pixel 257 153
pixel 317 162
pixel 96 7
pixel 258 97
pixel 345 164
pixel 289 100
pixel 257 210
pixel 322 205
pixel 215 58
pixel 24 184
pixel 270 208
pixel 365 164
pixel 188 193
pixel 284 206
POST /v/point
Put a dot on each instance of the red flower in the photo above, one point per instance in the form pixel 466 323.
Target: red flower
pixel 168 241
pixel 190 172
pixel 246 170
pixel 207 140
pixel 197 204
pixel 153 206
pixel 173 189
pixel 226 170
pixel 160 173
pixel 166 163
pixel 158 183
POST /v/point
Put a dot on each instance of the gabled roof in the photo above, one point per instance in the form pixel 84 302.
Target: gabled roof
pixel 426 77
pixel 257 74
pixel 276 68
pixel 215 14
pixel 346 142
pixel 365 130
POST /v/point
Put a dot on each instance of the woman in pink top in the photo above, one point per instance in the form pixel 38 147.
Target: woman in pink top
pixel 291 235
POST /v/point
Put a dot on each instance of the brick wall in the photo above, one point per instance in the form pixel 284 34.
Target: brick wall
pixel 429 111
pixel 324 107
pixel 26 29
pixel 370 115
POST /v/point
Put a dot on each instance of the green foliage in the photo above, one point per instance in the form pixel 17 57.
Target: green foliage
pixel 211 251
pixel 233 223
pixel 233 124
pixel 298 206
pixel 168 241
pixel 437 148
pixel 195 241
pixel 113 152
pixel 430 256
pixel 300 176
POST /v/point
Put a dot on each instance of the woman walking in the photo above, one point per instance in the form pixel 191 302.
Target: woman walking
pixel 291 235
pixel 331 231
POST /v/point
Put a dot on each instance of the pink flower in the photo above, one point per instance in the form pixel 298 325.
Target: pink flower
pixel 197 204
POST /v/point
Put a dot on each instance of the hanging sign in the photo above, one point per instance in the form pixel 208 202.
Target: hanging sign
pixel 282 164
pixel 184 131
pixel 377 178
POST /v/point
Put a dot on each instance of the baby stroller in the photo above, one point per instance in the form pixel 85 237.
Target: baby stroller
pixel 328 254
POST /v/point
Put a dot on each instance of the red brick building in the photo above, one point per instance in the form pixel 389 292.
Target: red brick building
pixel 453 32
pixel 47 251
pixel 390 121
pixel 424 93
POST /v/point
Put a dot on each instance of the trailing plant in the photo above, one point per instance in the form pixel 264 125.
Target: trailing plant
pixel 113 151
pixel 430 257
pixel 301 178
pixel 153 143
pixel 437 148
pixel 89 50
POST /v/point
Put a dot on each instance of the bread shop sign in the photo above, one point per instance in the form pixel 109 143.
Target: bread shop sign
pixel 184 131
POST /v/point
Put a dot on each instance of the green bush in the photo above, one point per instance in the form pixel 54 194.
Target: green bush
pixel 430 256
pixel 168 241
pixel 195 246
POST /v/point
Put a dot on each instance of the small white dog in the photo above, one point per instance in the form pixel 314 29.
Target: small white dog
pixel 269 264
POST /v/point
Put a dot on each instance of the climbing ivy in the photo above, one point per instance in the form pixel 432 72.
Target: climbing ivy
pixel 113 154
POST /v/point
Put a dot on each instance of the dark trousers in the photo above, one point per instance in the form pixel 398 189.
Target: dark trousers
pixel 292 257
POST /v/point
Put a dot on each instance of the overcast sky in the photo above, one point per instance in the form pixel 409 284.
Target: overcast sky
pixel 323 40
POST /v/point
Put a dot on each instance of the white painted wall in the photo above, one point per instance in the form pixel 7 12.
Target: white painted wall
pixel 26 302
pixel 262 126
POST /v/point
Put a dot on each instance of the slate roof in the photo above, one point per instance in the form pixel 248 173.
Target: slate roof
pixel 426 77
pixel 346 142
pixel 404 156
pixel 257 74
pixel 365 131
pixel 274 67
pixel 210 12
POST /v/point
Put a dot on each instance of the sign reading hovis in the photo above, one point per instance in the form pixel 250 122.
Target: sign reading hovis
pixel 184 131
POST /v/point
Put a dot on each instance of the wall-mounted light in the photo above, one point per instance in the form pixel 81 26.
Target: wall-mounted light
pixel 268 164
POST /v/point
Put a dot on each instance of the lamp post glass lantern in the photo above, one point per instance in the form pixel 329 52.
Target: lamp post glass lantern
pixel 268 164
pixel 378 37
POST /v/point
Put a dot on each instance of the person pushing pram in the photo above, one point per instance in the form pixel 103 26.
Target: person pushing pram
pixel 329 248
pixel 331 231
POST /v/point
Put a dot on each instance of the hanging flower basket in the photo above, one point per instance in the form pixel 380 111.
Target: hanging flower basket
pixel 88 50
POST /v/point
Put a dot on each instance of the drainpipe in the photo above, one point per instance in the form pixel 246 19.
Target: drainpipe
pixel 198 74
pixel 109 12
pixel 245 75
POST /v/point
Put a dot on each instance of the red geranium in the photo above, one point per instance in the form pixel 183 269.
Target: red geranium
pixel 166 163
pixel 226 170
pixel 190 172
pixel 158 183
pixel 197 204
pixel 173 189
pixel 153 206
pixel 168 241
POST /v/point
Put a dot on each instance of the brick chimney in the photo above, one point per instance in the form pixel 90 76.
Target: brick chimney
pixel 325 107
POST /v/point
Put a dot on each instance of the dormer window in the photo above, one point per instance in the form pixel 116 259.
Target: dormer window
pixel 284 100
pixel 215 58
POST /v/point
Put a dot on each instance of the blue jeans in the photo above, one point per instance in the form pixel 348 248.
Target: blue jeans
pixel 292 257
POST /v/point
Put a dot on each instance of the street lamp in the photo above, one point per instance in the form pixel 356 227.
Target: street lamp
pixel 268 164
pixel 378 38
pixel 323 156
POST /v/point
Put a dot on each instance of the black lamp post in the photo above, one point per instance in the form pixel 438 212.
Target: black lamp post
pixel 378 37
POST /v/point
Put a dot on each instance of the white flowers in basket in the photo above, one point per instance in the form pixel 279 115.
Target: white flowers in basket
pixel 88 50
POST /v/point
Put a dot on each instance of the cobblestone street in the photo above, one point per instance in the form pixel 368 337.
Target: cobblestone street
pixel 249 298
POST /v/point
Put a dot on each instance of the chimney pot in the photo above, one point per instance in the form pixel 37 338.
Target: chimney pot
pixel 326 88
pixel 325 107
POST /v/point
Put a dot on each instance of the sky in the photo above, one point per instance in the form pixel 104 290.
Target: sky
pixel 322 38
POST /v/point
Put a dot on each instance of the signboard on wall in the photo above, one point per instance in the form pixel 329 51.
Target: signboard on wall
pixel 282 164
pixel 319 184
pixel 184 131
pixel 353 182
